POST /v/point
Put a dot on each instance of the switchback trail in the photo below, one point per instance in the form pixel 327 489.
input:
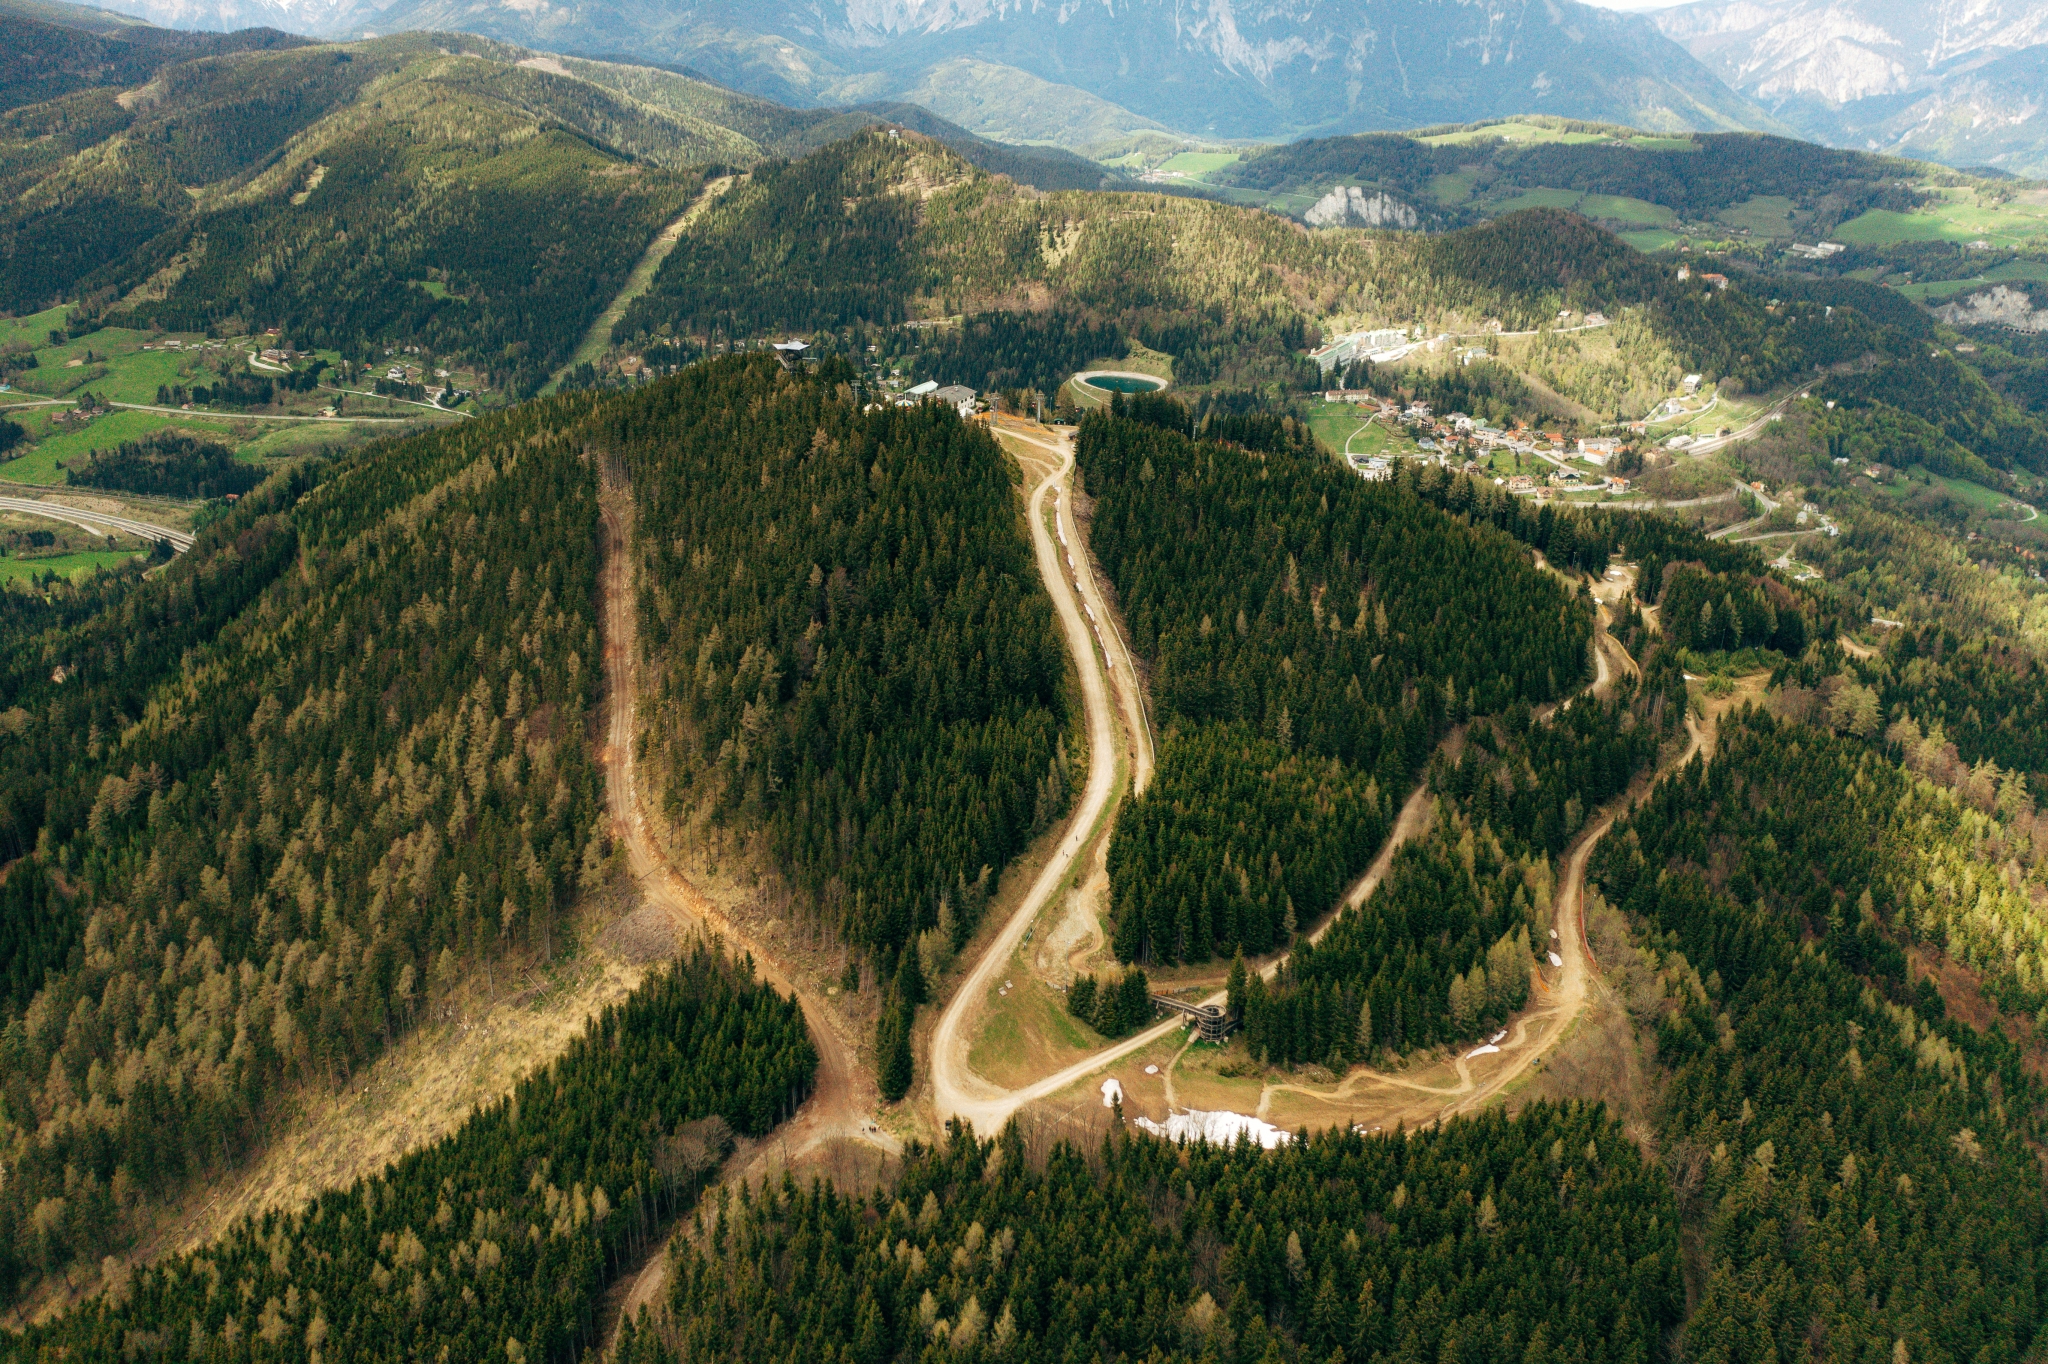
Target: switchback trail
pixel 959 1092
pixel 1531 1034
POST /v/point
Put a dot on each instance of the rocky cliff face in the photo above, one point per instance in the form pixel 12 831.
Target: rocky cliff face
pixel 1350 206
pixel 1944 78
pixel 2000 306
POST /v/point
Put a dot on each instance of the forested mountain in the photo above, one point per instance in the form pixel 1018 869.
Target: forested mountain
pixel 1812 1089
pixel 276 795
pixel 1981 695
pixel 438 190
pixel 41 59
pixel 1543 1237
pixel 856 657
pixel 1309 635
pixel 1046 282
pixel 1452 180
pixel 1442 949
pixel 498 1241
pixel 856 653
pixel 268 189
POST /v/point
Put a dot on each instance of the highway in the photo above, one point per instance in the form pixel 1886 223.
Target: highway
pixel 98 522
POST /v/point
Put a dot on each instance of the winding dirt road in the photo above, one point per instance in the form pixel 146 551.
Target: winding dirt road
pixel 844 1096
pixel 958 1092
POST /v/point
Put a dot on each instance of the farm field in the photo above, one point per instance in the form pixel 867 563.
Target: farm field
pixel 1652 239
pixel 1540 198
pixel 1957 217
pixel 1509 131
pixel 2014 271
pixel 1614 207
pixel 63 565
pixel 39 464
pixel 1987 500
pixel 1453 188
pixel 1198 163
pixel 1621 208
pixel 35 328
pixel 1767 215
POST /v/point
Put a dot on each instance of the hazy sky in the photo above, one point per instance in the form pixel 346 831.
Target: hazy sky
pixel 1635 5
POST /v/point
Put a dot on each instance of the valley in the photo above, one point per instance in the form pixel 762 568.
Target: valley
pixel 642 724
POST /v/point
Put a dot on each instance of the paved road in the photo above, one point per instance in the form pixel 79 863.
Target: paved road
pixel 98 522
pixel 409 402
pixel 272 416
pixel 1755 424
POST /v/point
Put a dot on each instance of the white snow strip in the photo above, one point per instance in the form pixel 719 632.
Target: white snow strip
pixel 1556 960
pixel 1218 1129
pixel 1495 1039
pixel 1113 1094
pixel 1488 1050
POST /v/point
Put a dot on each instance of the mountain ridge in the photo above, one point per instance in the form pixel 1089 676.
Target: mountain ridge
pixel 1235 71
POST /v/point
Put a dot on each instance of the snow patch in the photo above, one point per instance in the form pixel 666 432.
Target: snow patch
pixel 1113 1094
pixel 1488 1050
pixel 1218 1129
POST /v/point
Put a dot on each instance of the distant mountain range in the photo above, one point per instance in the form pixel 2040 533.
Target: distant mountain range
pixel 1959 81
pixel 1081 75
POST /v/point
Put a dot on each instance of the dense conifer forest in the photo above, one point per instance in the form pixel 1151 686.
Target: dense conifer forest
pixel 167 464
pixel 1541 1238
pixel 496 1242
pixel 854 652
pixel 526 234
pixel 1976 694
pixel 1441 951
pixel 1859 1160
pixel 275 795
pixel 1308 636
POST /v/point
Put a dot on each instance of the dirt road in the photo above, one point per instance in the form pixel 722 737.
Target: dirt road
pixel 1050 447
pixel 844 1097
pixel 1378 1099
pixel 957 1092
